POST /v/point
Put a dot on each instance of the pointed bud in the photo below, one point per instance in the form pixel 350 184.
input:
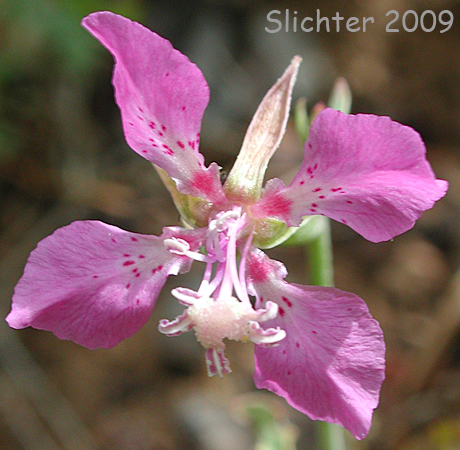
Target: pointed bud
pixel 302 123
pixel 340 98
pixel 317 108
pixel 263 137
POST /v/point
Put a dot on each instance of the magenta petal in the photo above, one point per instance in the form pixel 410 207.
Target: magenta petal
pixel 331 364
pixel 365 171
pixel 162 97
pixel 95 284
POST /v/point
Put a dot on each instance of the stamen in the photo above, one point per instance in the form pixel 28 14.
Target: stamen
pixel 231 280
pixel 185 296
pixel 207 289
pixel 181 247
pixel 177 246
pixel 263 314
pixel 177 326
pixel 242 270
pixel 216 362
pixel 266 338
pixel 220 223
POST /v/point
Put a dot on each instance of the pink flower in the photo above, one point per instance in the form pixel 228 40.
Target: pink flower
pixel 318 347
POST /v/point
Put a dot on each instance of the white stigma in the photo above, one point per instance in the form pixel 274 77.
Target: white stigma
pixel 215 320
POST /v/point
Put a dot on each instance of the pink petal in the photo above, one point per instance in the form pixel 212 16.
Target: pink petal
pixel 162 97
pixel 365 171
pixel 95 284
pixel 331 364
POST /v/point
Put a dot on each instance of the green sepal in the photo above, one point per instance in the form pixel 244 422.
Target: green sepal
pixel 267 127
pixel 310 228
pixel 270 233
pixel 194 211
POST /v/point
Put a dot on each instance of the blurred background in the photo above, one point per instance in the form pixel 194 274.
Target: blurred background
pixel 63 157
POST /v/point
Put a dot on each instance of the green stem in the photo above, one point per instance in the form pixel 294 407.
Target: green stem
pixel 319 251
pixel 320 260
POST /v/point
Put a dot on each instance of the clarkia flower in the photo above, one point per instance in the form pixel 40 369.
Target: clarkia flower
pixel 318 347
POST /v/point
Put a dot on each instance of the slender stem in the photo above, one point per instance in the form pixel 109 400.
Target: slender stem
pixel 320 259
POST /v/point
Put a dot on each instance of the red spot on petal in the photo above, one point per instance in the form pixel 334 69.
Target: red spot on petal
pixel 302 182
pixel 167 74
pixel 315 166
pixel 281 311
pixel 168 150
pixel 314 205
pixel 160 133
pixel 261 298
pixel 113 240
pixel 309 170
pixel 152 125
pixel 287 301
pixel 314 332
pixel 309 145
pixel 321 196
pixel 128 263
pixel 180 144
pixel 163 127
pixel 157 269
pixel 144 151
pixel 284 351
pixel 133 239
pixel 137 301
pixel 128 285
pixel 126 255
pixel 344 221
pixel 297 345
pixel 289 372
pixel 349 201
pixel 141 256
pixel 183 108
pixel 312 210
pixel 336 189
pixel 138 275
pixel 140 118
pixel 317 190
pixel 95 276
pixel 140 109
pixel 135 269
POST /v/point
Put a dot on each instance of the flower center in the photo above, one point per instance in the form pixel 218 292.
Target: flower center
pixel 213 312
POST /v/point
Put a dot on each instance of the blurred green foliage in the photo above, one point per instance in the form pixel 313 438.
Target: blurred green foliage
pixel 42 43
